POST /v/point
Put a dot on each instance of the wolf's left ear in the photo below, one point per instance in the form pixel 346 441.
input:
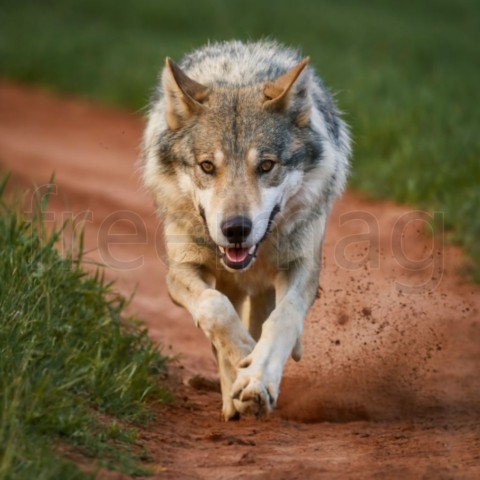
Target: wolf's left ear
pixel 183 96
pixel 289 91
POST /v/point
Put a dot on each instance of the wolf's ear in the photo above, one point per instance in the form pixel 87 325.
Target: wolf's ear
pixel 288 91
pixel 183 96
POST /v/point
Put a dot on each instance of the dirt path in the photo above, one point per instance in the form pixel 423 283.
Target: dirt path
pixel 389 386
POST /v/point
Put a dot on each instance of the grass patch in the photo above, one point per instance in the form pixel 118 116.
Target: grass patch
pixel 73 370
pixel 406 72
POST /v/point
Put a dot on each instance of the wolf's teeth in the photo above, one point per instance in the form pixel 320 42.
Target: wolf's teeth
pixel 222 249
pixel 251 250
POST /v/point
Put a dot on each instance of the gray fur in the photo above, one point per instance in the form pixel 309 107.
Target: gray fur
pixel 235 106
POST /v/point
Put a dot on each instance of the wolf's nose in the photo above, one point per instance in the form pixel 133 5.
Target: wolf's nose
pixel 236 229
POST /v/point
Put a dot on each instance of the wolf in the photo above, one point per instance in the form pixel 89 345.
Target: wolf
pixel 244 152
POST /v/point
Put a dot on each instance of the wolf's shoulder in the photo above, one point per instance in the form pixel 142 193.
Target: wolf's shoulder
pixel 239 63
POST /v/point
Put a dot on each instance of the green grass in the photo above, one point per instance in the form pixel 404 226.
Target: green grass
pixel 75 375
pixel 406 72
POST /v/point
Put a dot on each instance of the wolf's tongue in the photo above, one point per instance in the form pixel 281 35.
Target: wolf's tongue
pixel 236 254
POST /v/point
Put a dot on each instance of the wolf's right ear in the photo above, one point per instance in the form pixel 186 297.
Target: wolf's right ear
pixel 183 96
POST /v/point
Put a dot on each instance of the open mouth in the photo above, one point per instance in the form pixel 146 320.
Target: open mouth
pixel 238 257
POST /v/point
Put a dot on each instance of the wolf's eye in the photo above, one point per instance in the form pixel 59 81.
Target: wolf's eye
pixel 266 166
pixel 208 167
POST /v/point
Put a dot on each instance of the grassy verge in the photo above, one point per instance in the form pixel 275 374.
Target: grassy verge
pixel 406 72
pixel 74 373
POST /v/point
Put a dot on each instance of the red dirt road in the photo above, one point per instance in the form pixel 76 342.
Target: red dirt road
pixel 389 385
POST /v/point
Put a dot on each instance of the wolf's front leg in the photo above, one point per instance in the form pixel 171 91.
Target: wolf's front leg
pixel 227 372
pixel 215 315
pixel 257 384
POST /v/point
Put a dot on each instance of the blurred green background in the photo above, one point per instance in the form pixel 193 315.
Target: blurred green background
pixel 407 74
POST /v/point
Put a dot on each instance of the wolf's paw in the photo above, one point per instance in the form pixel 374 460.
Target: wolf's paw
pixel 252 396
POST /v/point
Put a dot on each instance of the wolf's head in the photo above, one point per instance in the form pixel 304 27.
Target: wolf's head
pixel 240 153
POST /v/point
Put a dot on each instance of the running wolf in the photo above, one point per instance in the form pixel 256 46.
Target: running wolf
pixel 244 152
